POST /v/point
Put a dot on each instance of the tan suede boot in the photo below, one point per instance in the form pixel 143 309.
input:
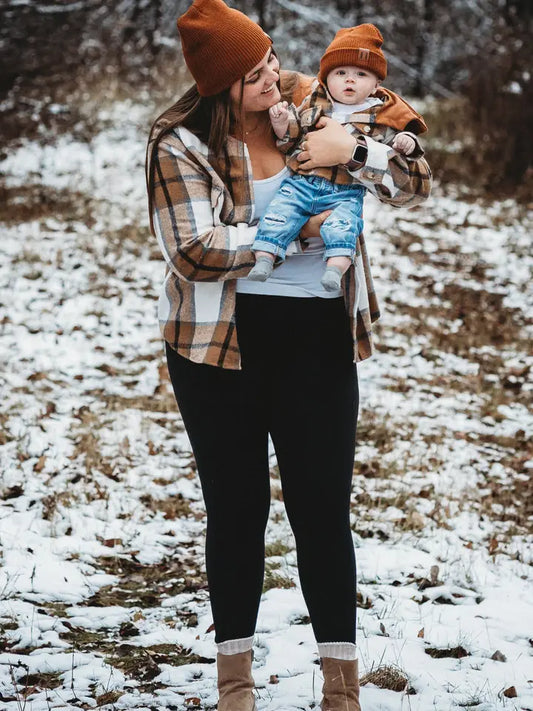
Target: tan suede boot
pixel 235 682
pixel 341 685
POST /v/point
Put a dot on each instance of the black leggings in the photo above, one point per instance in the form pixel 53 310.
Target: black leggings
pixel 298 382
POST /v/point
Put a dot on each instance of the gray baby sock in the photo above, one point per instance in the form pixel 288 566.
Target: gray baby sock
pixel 331 280
pixel 262 269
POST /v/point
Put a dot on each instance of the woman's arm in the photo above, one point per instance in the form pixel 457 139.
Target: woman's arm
pixel 391 177
pixel 184 208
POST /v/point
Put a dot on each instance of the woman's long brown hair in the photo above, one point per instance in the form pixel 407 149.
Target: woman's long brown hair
pixel 211 118
pixel 208 117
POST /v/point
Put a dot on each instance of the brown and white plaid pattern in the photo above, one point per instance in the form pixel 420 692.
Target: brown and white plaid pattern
pixel 202 216
pixel 395 179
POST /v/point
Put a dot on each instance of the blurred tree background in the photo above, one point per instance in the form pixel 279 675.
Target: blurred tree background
pixel 466 63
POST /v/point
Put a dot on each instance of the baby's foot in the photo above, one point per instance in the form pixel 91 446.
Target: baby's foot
pixel 262 269
pixel 331 280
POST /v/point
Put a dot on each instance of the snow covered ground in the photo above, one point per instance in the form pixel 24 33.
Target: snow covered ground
pixel 103 599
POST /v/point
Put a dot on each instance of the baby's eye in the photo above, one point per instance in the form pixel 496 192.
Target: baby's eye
pixel 341 72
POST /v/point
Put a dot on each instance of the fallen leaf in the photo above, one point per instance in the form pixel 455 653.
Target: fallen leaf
pixel 112 542
pixel 510 693
pixel 107 369
pixel 434 574
pixel 39 465
pixel 498 656
pixel 50 408
pixel 273 679
pixel 421 633
pixel 37 376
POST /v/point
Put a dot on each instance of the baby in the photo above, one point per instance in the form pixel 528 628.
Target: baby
pixel 351 71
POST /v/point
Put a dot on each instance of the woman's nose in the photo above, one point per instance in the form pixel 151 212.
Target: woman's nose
pixel 274 73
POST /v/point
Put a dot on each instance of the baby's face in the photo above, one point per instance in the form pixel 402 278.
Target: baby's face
pixel 351 85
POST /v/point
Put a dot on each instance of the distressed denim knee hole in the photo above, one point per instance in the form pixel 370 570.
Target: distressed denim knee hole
pixel 275 219
pixel 341 225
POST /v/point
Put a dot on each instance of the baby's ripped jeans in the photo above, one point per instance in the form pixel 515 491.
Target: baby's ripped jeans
pixel 300 197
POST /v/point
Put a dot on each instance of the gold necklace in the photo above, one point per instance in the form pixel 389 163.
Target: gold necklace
pixel 252 130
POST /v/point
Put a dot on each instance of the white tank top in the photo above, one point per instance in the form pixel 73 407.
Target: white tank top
pixel 300 274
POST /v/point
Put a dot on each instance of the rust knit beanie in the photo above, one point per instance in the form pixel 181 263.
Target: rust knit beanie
pixel 220 45
pixel 356 47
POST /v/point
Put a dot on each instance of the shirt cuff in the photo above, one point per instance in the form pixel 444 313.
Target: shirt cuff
pixel 418 151
pixel 376 171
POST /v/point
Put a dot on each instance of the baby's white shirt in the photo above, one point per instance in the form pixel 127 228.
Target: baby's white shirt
pixel 342 111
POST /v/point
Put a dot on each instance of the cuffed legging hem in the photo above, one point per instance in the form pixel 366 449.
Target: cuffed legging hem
pixel 235 646
pixel 338 650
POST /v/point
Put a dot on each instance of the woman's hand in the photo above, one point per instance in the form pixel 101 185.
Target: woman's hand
pixel 329 145
pixel 313 225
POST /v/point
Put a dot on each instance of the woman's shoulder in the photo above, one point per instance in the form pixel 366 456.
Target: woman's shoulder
pixel 295 86
pixel 181 138
pixel 166 131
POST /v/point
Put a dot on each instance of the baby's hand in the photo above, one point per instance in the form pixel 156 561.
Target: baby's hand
pixel 279 118
pixel 404 144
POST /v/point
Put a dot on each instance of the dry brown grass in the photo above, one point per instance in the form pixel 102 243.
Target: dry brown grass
pixel 387 677
pixel 32 202
pixel 147 585
pixel 162 401
pixel 143 663
pixel 277 548
pixel 274 579
pixel 454 652
pixel 172 507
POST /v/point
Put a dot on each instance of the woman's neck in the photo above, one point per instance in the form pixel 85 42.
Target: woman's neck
pixel 252 126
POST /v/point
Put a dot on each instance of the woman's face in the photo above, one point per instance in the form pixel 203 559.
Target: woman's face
pixel 259 91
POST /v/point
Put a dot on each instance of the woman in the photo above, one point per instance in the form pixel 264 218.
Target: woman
pixel 246 358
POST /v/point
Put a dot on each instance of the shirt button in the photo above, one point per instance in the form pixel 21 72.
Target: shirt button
pixel 366 128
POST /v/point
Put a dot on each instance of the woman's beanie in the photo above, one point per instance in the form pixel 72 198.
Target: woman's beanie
pixel 220 45
pixel 356 47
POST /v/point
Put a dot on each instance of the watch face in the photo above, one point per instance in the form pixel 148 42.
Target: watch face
pixel 360 153
pixel 358 158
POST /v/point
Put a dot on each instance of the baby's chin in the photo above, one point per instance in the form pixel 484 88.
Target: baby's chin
pixel 348 99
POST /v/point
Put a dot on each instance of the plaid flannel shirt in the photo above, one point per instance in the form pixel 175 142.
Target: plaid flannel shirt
pixel 401 181
pixel 201 212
